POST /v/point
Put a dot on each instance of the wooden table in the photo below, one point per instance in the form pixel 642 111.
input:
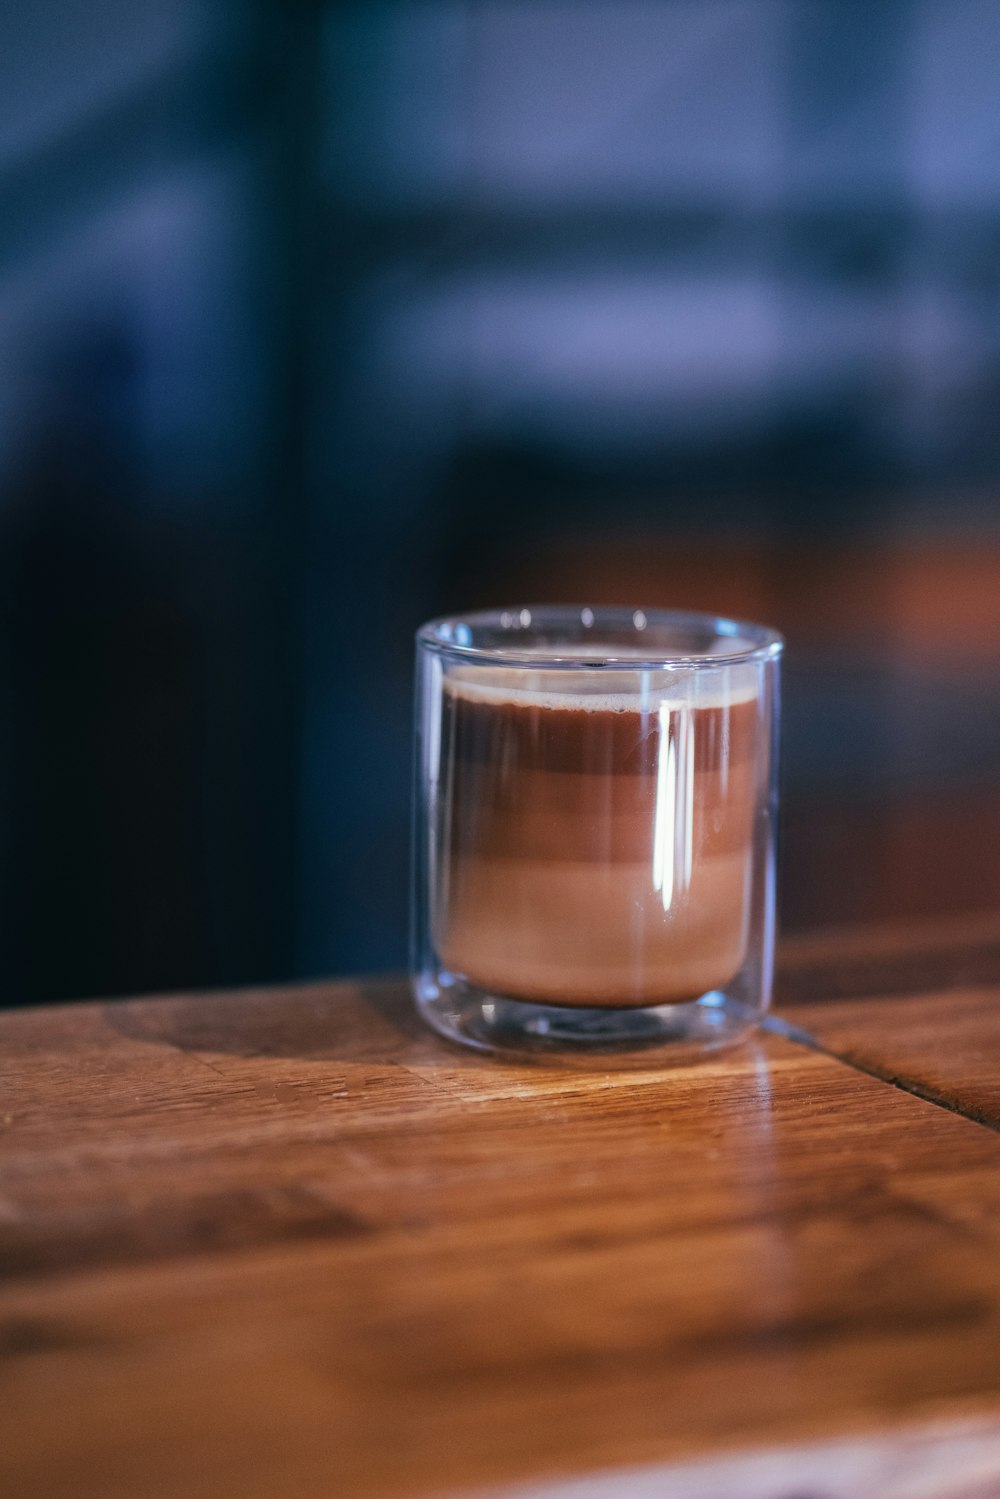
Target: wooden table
pixel 285 1243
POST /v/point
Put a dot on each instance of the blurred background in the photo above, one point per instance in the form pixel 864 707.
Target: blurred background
pixel 319 319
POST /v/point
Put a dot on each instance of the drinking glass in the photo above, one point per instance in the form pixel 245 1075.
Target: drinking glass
pixel 595 810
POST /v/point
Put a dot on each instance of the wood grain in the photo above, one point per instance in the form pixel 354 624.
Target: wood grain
pixel 916 1004
pixel 943 1046
pixel 286 1243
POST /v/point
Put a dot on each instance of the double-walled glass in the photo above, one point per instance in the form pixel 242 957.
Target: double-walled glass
pixel 594 830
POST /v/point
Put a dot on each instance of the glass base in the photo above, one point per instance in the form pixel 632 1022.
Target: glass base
pixel 667 1035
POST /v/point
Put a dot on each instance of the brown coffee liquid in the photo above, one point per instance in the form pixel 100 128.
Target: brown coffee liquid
pixel 595 856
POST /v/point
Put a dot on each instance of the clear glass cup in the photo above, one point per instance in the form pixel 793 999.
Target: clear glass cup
pixel 594 831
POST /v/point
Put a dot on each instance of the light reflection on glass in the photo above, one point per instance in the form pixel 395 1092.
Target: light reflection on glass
pixel 673 830
pixel 688 772
pixel 664 814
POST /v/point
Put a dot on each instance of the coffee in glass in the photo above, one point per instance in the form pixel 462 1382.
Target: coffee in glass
pixel 595 797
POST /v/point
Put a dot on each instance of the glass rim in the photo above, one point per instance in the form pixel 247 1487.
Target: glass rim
pixel 752 642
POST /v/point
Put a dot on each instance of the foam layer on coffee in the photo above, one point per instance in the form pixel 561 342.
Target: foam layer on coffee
pixel 603 689
pixel 597 843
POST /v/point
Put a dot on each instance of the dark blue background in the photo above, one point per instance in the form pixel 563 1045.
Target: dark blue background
pixel 317 319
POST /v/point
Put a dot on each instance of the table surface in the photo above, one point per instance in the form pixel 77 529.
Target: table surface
pixel 284 1242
